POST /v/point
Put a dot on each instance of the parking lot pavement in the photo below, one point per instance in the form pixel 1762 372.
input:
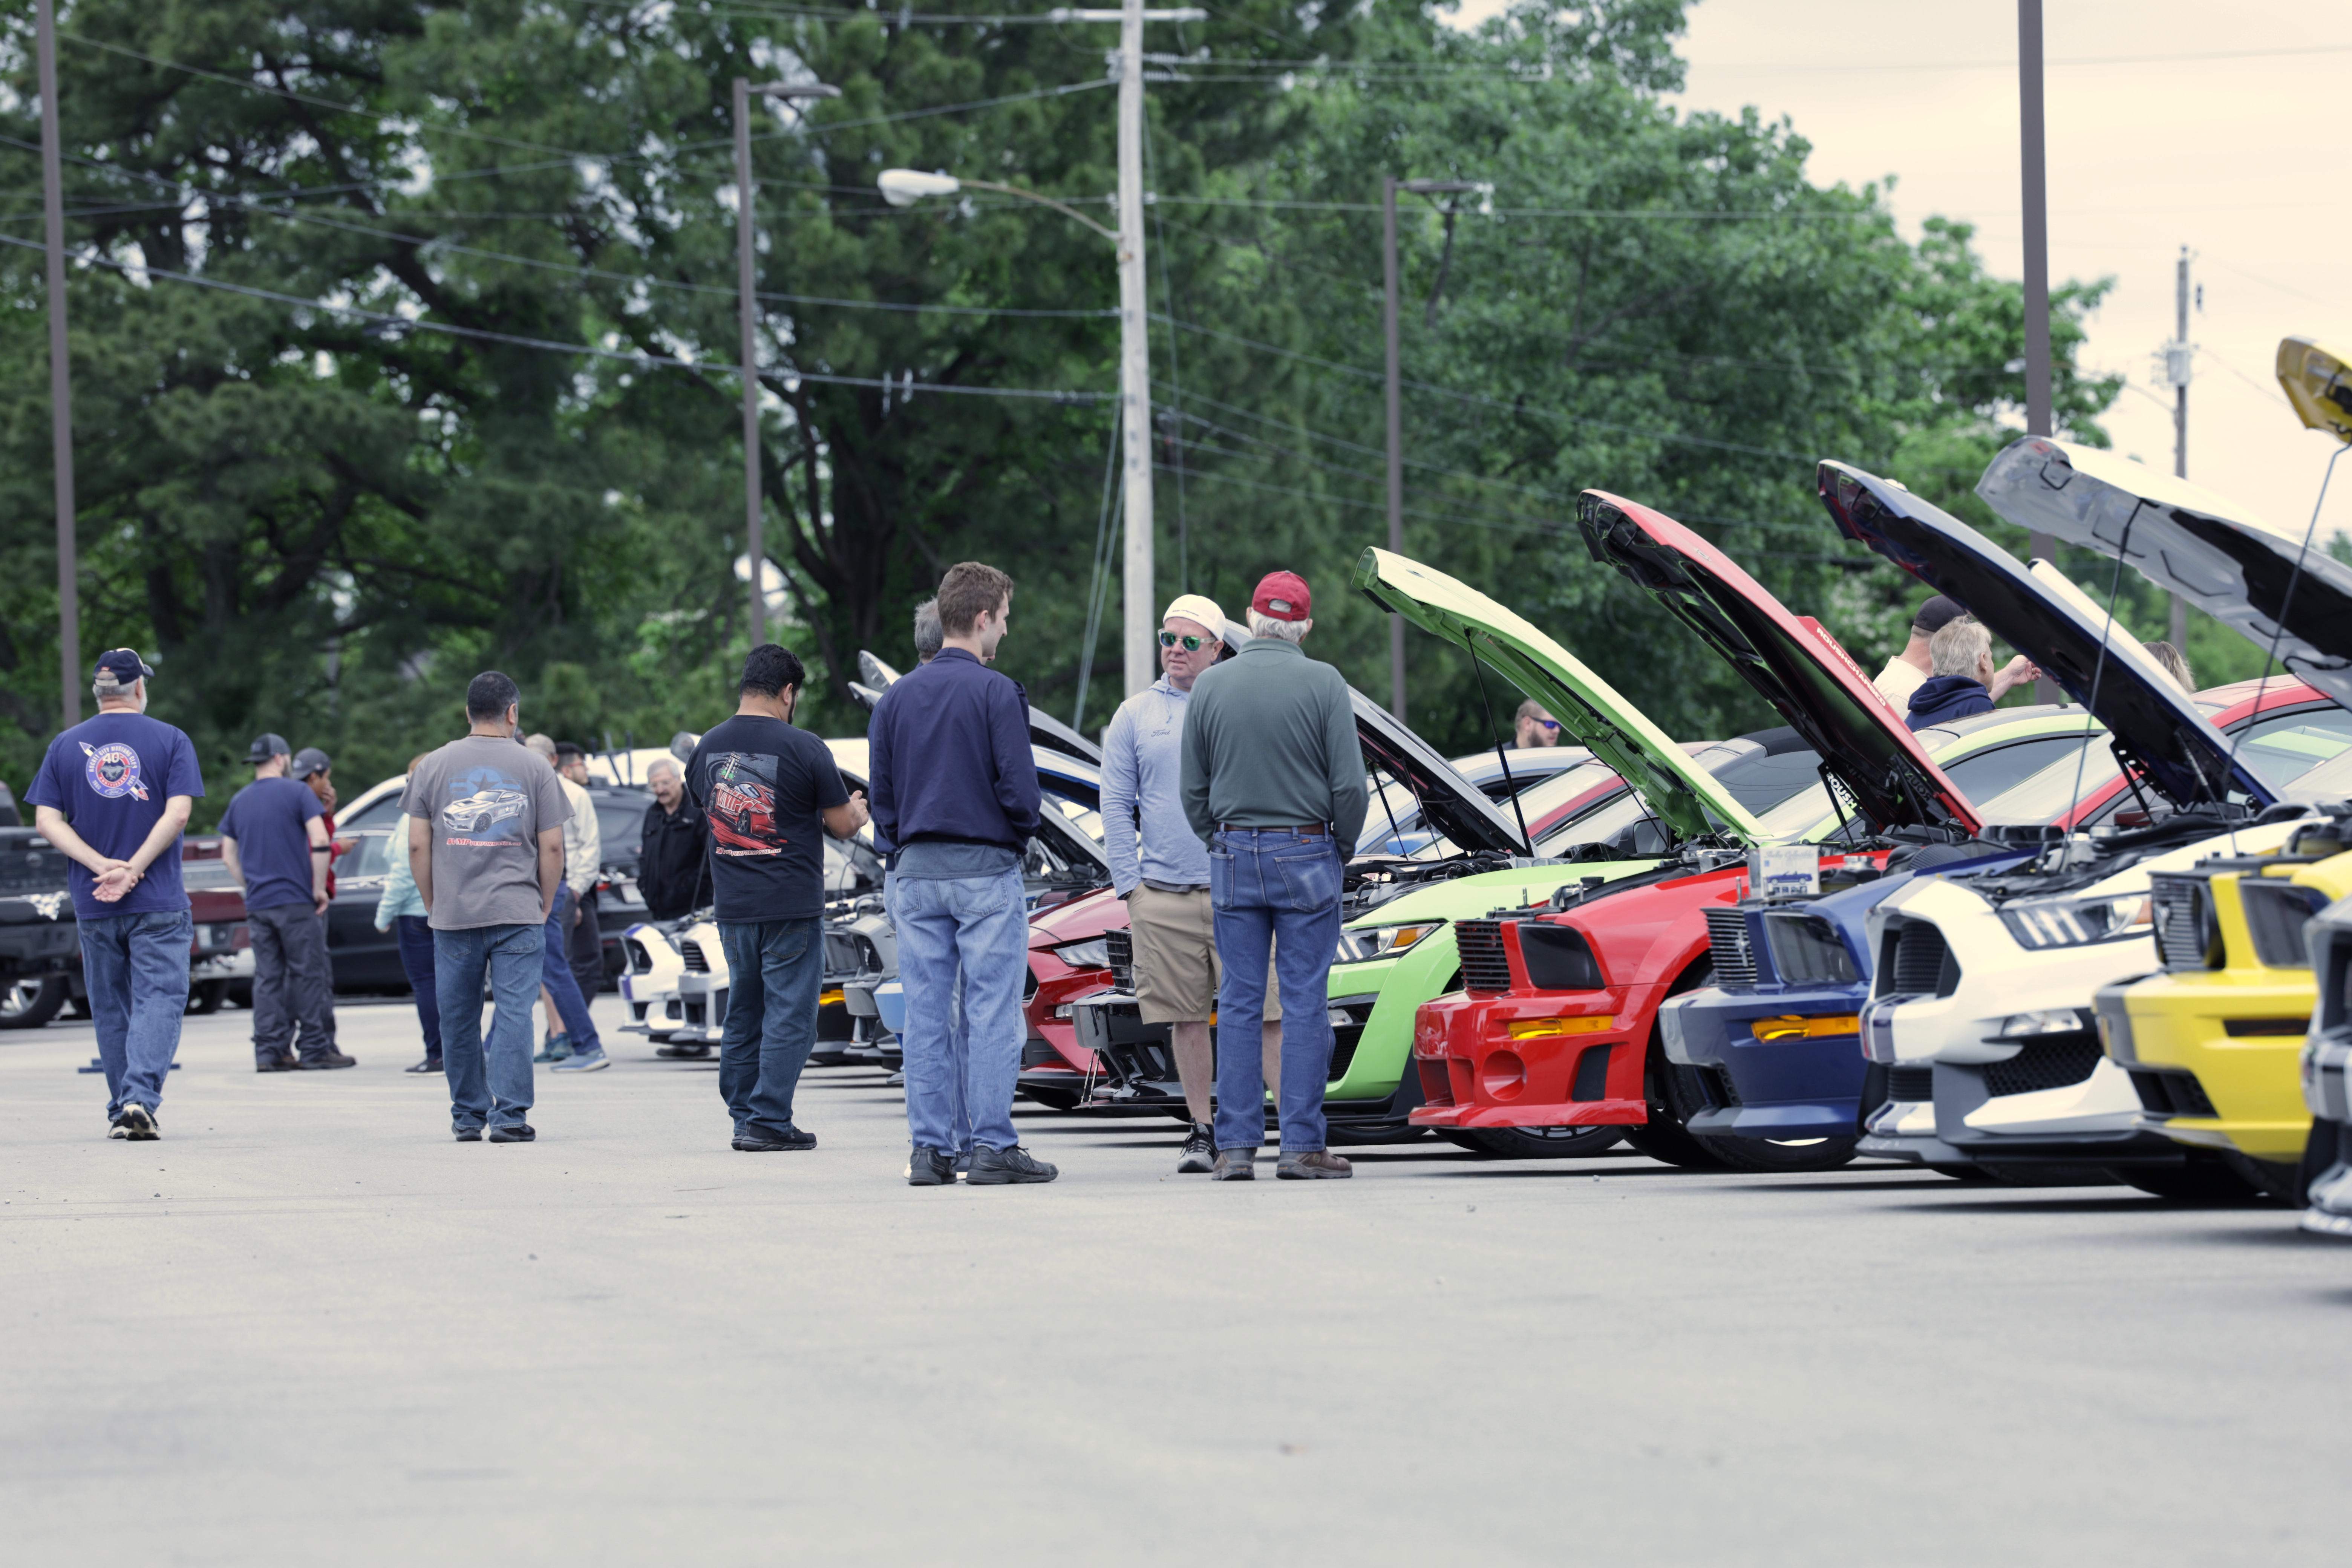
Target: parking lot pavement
pixel 306 1328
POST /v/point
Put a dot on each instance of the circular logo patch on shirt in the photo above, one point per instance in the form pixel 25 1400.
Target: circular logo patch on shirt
pixel 113 771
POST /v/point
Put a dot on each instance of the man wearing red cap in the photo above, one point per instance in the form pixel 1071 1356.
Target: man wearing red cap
pixel 1274 784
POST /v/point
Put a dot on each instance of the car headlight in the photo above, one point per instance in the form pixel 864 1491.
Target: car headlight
pixel 1092 954
pixel 2071 923
pixel 2046 1021
pixel 1366 943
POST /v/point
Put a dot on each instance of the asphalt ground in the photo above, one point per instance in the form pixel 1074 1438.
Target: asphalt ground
pixel 308 1328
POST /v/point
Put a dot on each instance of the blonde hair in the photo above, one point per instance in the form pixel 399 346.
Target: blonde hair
pixel 543 744
pixel 1959 647
pixel 2175 663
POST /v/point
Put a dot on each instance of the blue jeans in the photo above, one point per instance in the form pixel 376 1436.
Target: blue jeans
pixel 135 968
pixel 555 974
pixel 772 968
pixel 1273 886
pixel 510 956
pixel 958 1116
pixel 416 962
pixel 979 925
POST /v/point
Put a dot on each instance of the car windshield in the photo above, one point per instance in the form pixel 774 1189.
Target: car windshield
pixel 2282 749
pixel 380 812
pixel 370 855
pixel 1078 814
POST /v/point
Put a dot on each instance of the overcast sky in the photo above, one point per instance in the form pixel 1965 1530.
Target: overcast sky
pixel 2228 151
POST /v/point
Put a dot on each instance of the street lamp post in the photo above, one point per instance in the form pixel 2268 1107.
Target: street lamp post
pixel 755 548
pixel 1389 186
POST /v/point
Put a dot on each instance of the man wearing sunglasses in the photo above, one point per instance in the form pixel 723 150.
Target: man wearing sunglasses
pixel 1161 867
pixel 1536 727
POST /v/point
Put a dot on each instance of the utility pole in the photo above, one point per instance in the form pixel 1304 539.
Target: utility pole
pixel 2032 170
pixel 2178 354
pixel 53 205
pixel 1141 617
pixel 1389 186
pixel 748 309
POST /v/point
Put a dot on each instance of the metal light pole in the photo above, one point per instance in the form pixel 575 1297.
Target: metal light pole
pixel 53 204
pixel 2033 169
pixel 1389 186
pixel 754 546
pixel 2178 355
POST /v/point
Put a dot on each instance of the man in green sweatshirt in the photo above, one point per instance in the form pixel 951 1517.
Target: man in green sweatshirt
pixel 1274 784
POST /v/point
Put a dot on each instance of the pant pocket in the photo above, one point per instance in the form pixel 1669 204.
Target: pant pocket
pixel 1220 878
pixel 1308 881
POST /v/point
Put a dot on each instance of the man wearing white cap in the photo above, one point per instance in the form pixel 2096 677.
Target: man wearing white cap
pixel 1160 866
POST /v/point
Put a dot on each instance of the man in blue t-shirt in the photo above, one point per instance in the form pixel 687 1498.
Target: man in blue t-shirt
pixel 274 841
pixel 113 795
pixel 769 793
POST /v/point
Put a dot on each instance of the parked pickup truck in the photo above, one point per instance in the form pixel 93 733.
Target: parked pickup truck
pixel 40 947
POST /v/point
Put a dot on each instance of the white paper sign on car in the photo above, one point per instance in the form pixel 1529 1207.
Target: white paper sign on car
pixel 1785 871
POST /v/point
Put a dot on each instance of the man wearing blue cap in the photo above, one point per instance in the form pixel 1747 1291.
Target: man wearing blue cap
pixel 113 795
pixel 275 841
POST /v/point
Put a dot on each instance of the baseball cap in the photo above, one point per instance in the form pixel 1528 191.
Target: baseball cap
pixel 1283 596
pixel 308 761
pixel 1201 608
pixel 1936 615
pixel 265 747
pixel 125 664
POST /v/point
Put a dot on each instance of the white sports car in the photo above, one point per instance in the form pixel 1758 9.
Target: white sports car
pixel 482 808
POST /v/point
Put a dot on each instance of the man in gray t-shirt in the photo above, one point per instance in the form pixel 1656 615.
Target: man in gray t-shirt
pixel 486 842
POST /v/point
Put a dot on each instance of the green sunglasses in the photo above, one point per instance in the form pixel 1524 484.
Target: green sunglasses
pixel 1191 644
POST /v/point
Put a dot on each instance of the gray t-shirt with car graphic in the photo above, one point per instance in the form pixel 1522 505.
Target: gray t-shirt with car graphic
pixel 487 800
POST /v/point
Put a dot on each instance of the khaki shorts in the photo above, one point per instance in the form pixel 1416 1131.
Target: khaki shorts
pixel 1176 970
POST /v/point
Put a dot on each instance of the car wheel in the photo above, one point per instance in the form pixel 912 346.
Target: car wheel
pixel 2195 1180
pixel 2286 1184
pixel 1366 1136
pixel 1673 1098
pixel 1541 1143
pixel 240 993
pixel 32 1001
pixel 207 997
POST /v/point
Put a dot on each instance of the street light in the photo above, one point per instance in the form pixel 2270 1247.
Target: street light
pixel 1389 186
pixel 754 547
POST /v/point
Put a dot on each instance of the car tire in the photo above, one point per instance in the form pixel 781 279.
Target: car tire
pixel 1541 1143
pixel 32 1001
pixel 1054 1099
pixel 1365 1137
pixel 1673 1095
pixel 2284 1183
pixel 206 996
pixel 2199 1180
pixel 240 994
pixel 1775 1155
pixel 1964 1172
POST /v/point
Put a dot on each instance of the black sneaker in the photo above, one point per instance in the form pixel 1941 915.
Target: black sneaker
pixel 276 1064
pixel 325 1060
pixel 930 1168
pixel 138 1123
pixel 521 1132
pixel 1005 1167
pixel 467 1134
pixel 682 1053
pixel 1200 1151
pixel 760 1140
pixel 430 1064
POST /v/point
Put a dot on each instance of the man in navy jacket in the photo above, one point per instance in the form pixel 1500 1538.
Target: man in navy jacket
pixel 955 789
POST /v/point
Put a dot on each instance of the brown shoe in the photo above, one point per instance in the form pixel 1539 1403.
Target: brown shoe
pixel 1321 1164
pixel 1235 1165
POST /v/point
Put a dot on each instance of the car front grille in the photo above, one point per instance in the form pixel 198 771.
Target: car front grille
pixel 2179 912
pixel 1726 939
pixel 1922 963
pixel 2275 913
pixel 1119 945
pixel 2045 1064
pixel 1720 1089
pixel 694 962
pixel 1913 1086
pixel 1484 966
pixel 2167 1094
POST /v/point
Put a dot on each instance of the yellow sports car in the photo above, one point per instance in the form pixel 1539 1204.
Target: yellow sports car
pixel 2213 1042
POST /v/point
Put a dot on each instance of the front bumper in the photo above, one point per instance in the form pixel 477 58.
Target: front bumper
pixel 2212 1056
pixel 1476 1073
pixel 1761 1088
pixel 2330 1213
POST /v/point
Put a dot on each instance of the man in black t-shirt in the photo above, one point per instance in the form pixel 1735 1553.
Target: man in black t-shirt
pixel 766 790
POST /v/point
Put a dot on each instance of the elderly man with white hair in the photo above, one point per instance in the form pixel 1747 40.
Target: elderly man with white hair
pixel 673 876
pixel 1274 784
pixel 1162 868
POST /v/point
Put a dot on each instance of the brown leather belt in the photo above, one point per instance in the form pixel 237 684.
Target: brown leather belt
pixel 1316 830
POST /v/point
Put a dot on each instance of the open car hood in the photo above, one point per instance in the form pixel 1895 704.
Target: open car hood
pixel 2044 616
pixel 1679 793
pixel 1792 664
pixel 2213 552
pixel 1450 802
pixel 1043 729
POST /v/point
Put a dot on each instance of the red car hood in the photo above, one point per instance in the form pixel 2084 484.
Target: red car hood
pixel 1078 919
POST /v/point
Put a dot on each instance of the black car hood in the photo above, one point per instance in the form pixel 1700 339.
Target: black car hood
pixel 1043 729
pixel 2044 616
pixel 1450 802
pixel 1812 683
pixel 2189 541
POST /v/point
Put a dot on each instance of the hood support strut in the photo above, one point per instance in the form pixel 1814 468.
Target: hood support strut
pixel 1479 670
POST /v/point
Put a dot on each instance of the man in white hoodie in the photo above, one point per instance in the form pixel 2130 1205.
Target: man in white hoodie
pixel 1159 865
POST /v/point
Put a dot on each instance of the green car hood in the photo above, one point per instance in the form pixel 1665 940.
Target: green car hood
pixel 1468 898
pixel 1682 795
